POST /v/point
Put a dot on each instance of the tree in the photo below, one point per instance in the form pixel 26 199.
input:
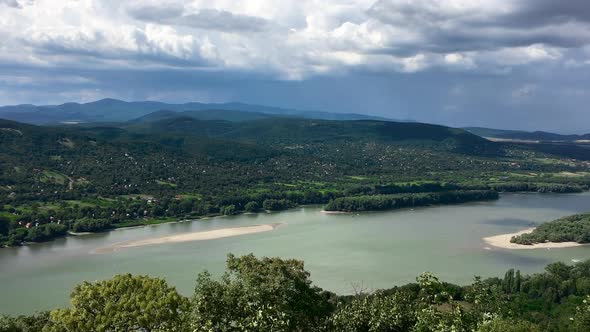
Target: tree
pixel 269 294
pixel 438 311
pixel 375 313
pixel 33 323
pixel 508 325
pixel 582 317
pixel 4 226
pixel 228 210
pixel 123 303
pixel 251 206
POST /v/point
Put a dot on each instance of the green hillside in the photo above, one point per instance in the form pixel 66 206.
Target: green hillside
pixel 100 177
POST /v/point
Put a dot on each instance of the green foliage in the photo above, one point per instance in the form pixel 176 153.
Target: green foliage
pixel 251 206
pixel 574 228
pixel 268 294
pixel 389 202
pixel 4 226
pixel 582 317
pixel 536 187
pixel 124 303
pixel 438 311
pixel 277 204
pixel 45 232
pixel 91 225
pixel 228 210
pixel 375 313
pixel 34 323
pixel 508 325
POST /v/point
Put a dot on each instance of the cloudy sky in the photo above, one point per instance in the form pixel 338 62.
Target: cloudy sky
pixel 522 64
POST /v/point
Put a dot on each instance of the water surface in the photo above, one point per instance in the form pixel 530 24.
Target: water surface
pixel 377 250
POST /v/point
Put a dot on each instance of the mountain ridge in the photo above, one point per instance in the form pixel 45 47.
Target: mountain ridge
pixel 115 110
pixel 538 135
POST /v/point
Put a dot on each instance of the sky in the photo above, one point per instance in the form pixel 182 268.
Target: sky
pixel 518 64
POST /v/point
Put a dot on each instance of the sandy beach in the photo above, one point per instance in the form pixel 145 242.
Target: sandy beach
pixel 335 212
pixel 503 241
pixel 195 236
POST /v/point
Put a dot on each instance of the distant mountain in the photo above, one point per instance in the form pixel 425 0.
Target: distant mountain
pixel 540 136
pixel 113 110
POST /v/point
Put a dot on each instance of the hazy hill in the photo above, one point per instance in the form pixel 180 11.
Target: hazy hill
pixel 525 135
pixel 113 110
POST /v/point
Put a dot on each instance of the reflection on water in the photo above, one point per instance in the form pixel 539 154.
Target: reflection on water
pixel 515 259
pixel 519 223
pixel 378 249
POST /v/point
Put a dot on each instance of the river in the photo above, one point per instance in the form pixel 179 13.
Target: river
pixel 344 251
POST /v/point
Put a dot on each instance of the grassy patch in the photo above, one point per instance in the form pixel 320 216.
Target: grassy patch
pixel 166 183
pixel 53 177
pixel 358 177
pixel 189 196
pixel 8 215
pixel 286 184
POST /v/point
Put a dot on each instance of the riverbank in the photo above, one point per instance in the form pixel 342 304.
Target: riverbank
pixel 195 236
pixel 503 241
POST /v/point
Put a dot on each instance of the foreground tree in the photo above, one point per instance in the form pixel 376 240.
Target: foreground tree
pixel 508 325
pixel 375 313
pixel 582 317
pixel 268 294
pixel 124 303
pixel 33 323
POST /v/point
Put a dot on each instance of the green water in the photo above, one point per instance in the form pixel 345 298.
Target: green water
pixel 376 250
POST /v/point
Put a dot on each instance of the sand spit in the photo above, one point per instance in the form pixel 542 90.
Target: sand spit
pixel 503 241
pixel 188 237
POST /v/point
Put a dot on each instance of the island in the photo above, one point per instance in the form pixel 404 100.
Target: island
pixel 575 228
pixel 570 231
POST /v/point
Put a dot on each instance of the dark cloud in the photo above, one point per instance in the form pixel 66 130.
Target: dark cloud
pixel 564 24
pixel 155 13
pixel 208 19
pixel 531 13
pixel 223 21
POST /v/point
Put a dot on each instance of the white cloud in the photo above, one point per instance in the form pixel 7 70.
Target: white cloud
pixel 292 39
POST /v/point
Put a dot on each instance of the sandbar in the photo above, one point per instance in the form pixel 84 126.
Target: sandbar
pixel 503 241
pixel 188 237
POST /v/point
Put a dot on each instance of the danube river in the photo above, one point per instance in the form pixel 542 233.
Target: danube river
pixel 375 250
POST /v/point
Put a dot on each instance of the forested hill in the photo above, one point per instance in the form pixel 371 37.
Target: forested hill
pixel 113 110
pixel 301 131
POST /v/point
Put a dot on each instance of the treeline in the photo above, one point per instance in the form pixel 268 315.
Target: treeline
pixel 390 202
pixel 574 228
pixel 37 233
pixel 401 188
pixel 273 294
pixel 538 187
